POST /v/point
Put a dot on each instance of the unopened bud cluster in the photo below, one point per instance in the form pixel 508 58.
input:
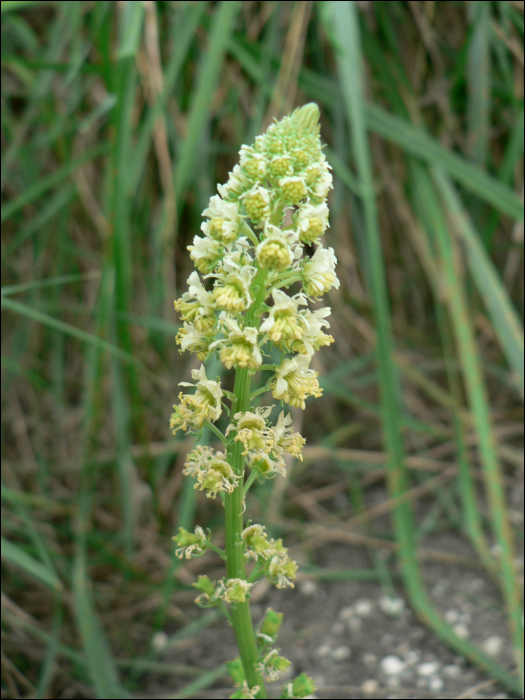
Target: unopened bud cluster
pixel 259 264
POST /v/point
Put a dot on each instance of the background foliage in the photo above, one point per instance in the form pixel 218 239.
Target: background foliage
pixel 118 120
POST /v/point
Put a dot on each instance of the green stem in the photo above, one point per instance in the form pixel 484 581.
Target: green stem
pixel 216 431
pixel 249 481
pixel 234 507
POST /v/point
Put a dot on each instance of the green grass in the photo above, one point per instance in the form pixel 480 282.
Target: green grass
pixel 118 121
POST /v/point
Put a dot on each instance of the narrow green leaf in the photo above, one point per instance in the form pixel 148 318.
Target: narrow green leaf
pixel 66 328
pixel 39 188
pixel 488 283
pixel 224 18
pixel 416 142
pixel 14 554
pixel 100 661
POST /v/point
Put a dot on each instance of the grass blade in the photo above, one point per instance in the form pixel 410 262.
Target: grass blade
pixel 490 287
pixel 347 47
pixel 416 142
pixel 14 554
pixel 223 23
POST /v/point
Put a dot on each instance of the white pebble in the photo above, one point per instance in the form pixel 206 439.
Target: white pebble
pixel 370 687
pixel 392 665
pixel 369 659
pixel 436 683
pixel 354 624
pixel 452 671
pixel 461 630
pixel 338 628
pixel 346 613
pixel 391 606
pixel 493 645
pixel 452 617
pixel 323 650
pixel 412 657
pixel 308 587
pixel 341 653
pixel 364 607
pixel 393 681
pixel 159 641
pixel 428 669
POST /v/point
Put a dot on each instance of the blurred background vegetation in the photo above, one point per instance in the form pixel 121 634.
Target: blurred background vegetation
pixel 118 120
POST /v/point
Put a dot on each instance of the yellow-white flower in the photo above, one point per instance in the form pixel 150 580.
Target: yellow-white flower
pixel 265 465
pixel 283 324
pixel 208 393
pixel 285 440
pixel 294 381
pixel 205 253
pixel 190 544
pixel 235 590
pixel 189 338
pixel 311 221
pixel 197 305
pixel 322 185
pixel 293 189
pixel 313 336
pixel 319 272
pixel 256 538
pixel 273 665
pixel 232 289
pixel 240 348
pixel 194 409
pixel 212 471
pixel 257 203
pixel 280 569
pixel 224 222
pixel 254 165
pixel 252 431
pixel 236 185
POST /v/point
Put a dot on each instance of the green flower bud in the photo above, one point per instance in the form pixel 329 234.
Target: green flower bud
pixel 205 585
pixel 307 117
pixel 293 189
pixel 274 253
pixel 236 670
pixel 300 687
pixel 271 624
pixel 280 166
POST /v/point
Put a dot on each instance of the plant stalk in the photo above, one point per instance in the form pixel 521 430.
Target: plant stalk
pixel 234 508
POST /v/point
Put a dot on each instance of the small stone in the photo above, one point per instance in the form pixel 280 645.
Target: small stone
pixel 323 651
pixel 461 630
pixel 369 659
pixel 412 657
pixel 452 617
pixel 364 607
pixel 346 613
pixel 354 624
pixel 428 669
pixel 452 671
pixel 392 665
pixel 338 628
pixel 391 606
pixel 465 618
pixel 393 681
pixel 370 687
pixel 341 653
pixel 308 587
pixel 159 641
pixel 436 683
pixel 493 645
pixel 477 585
